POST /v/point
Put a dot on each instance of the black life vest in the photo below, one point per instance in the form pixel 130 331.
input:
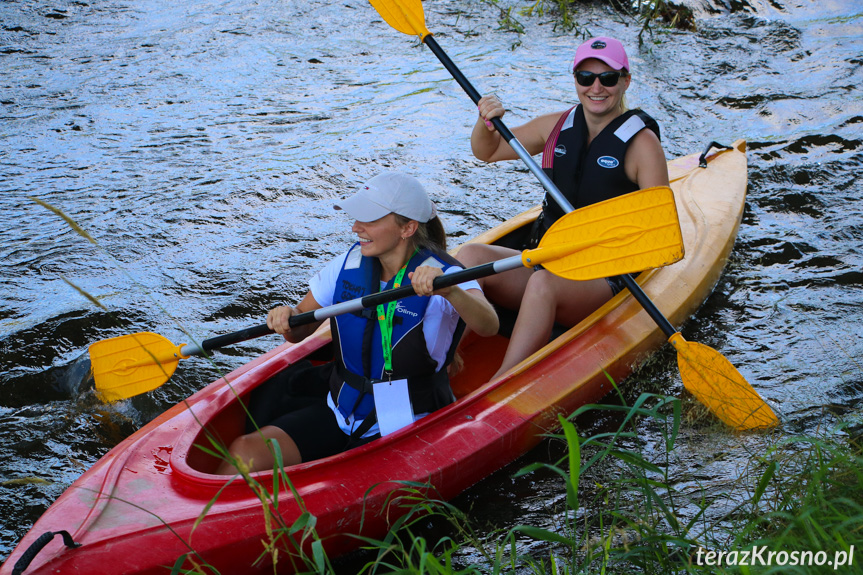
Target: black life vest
pixel 587 174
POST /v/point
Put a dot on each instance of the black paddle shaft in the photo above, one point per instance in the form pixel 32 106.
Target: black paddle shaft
pixel 378 298
pixel 507 135
pixel 355 305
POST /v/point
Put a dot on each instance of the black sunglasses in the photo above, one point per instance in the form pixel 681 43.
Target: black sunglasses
pixel 607 79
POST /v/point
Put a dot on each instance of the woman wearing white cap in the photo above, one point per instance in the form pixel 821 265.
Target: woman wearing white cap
pixel 592 152
pixel 391 363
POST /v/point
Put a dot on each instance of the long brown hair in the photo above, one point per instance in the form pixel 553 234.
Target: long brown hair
pixel 432 236
pixel 429 235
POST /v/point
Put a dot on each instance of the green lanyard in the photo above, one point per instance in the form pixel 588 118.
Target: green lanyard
pixel 385 319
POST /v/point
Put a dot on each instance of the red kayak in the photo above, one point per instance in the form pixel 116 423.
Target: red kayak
pixel 144 505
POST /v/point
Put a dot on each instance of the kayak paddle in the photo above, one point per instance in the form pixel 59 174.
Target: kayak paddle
pixel 589 243
pixel 706 373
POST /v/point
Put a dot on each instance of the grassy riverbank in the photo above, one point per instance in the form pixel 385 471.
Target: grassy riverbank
pixel 799 509
pixel 796 508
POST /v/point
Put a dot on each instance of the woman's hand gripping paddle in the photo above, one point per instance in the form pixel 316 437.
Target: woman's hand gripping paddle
pixel 706 373
pixel 594 242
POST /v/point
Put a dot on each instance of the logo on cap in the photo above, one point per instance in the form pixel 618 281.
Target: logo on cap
pixel 598 45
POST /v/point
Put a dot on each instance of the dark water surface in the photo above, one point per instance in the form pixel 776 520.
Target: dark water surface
pixel 202 144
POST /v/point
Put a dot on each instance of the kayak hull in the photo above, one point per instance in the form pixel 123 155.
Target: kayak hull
pixel 153 498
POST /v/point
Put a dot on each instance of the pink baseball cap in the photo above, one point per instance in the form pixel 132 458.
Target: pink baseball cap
pixel 602 48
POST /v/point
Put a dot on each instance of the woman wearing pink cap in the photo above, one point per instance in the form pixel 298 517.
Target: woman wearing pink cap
pixel 391 363
pixel 592 152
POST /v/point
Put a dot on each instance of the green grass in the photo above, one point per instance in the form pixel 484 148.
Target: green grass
pixel 622 512
pixel 804 496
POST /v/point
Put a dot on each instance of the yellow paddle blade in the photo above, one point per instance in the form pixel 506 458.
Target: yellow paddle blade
pixel 629 233
pixel 711 378
pixel 406 16
pixel 132 364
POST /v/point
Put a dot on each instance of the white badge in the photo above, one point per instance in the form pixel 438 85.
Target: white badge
pixel 392 405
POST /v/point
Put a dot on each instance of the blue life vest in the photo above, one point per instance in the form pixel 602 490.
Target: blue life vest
pixel 357 339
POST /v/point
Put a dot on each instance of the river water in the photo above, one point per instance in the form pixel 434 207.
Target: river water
pixel 202 143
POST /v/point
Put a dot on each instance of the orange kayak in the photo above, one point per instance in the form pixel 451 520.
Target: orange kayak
pixel 153 500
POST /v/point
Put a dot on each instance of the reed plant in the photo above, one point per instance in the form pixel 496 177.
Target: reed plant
pixel 809 499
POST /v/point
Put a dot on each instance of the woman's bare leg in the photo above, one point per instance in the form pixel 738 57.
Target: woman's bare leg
pixel 504 289
pixel 541 299
pixel 253 450
pixel 548 298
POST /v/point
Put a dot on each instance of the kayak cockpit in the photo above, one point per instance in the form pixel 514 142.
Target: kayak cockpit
pixel 220 421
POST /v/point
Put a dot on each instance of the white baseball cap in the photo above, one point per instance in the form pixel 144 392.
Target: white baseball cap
pixel 386 193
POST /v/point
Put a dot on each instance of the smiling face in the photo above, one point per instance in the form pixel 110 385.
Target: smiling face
pixel 378 237
pixel 598 99
pixel 382 239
